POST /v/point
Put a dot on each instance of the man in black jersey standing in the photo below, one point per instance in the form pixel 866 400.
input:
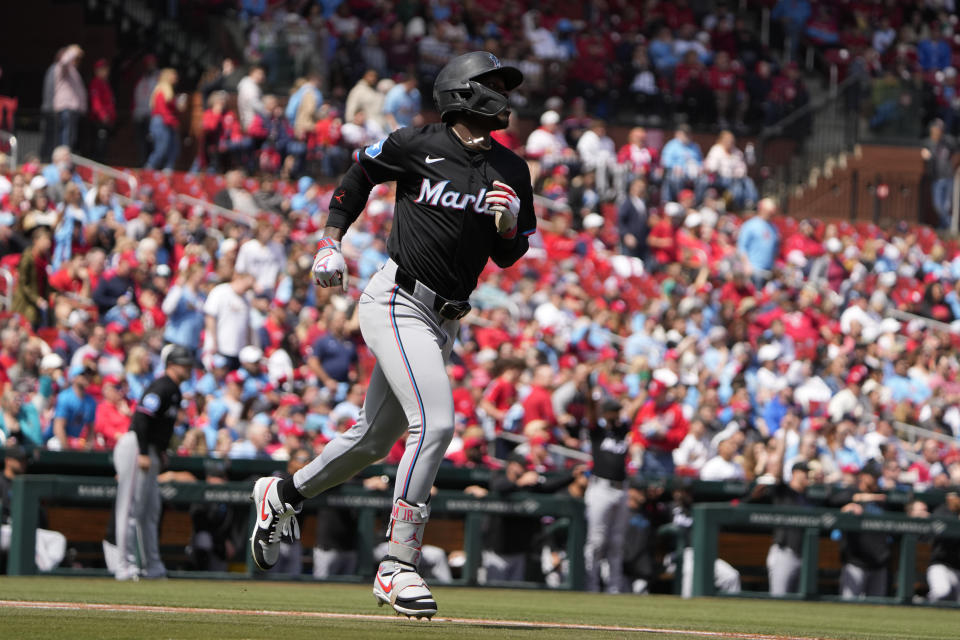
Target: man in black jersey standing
pixel 606 496
pixel 462 198
pixel 137 458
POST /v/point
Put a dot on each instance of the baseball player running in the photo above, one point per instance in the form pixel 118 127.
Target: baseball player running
pixel 461 198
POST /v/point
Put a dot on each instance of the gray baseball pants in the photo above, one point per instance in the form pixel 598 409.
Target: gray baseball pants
pixel 857 582
pixel 137 507
pixel 409 389
pixel 607 517
pixel 944 583
pixel 783 570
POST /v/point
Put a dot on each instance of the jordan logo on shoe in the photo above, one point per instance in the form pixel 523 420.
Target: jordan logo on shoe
pixel 430 160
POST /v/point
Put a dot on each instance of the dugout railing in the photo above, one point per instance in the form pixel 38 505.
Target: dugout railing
pixel 710 519
pixel 30 491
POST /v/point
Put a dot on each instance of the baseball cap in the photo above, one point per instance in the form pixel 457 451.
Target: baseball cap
pixel 550 117
pixel 833 245
pixel 250 355
pixel 163 271
pixel 593 221
pixel 693 220
pixel 114 327
pixel 16 452
pixel 51 361
pixel 674 209
pixel 38 182
pixel 686 194
pixel 113 381
pixel 180 355
pixel 77 317
pixel 235 377
pixel 800 466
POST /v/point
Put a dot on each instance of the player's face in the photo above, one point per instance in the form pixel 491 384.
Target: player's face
pixel 496 83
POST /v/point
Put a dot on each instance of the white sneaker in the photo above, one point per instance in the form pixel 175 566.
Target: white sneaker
pixel 127 574
pixel 275 521
pixel 399 585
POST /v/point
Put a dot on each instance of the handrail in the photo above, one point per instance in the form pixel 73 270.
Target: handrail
pixel 565 452
pixel 12 141
pixel 920 432
pixel 955 217
pixel 217 210
pixel 777 127
pixel 936 324
pixel 107 170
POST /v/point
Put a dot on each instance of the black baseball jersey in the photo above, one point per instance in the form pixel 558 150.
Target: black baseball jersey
pixel 156 414
pixel 442 233
pixel 609 446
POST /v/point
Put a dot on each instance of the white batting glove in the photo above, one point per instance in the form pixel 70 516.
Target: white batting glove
pixel 329 267
pixel 505 205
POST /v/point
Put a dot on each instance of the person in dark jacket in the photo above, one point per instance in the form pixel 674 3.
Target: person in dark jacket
pixel 33 286
pixel 633 220
pixel 117 290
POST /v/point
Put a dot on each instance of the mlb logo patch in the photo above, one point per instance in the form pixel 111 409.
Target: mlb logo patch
pixel 374 150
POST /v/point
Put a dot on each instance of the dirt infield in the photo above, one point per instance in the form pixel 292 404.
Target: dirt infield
pixel 133 608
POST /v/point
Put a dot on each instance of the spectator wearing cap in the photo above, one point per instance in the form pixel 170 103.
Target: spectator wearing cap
pixel 113 415
pixel 401 107
pixel 659 427
pixel 758 242
pixel 76 410
pixel 51 546
pixel 830 267
pixel 227 321
pixel 30 295
pixel 546 143
pixel 183 306
pixel 682 165
pixel 103 110
pixel 633 220
pixel 724 467
pixel 255 379
pixel 849 401
pixel 118 291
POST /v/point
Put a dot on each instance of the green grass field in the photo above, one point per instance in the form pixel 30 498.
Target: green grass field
pixel 718 616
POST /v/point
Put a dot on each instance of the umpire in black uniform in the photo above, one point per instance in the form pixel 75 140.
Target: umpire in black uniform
pixel 137 458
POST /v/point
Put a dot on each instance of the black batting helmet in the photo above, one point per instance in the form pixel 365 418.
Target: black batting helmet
pixel 456 87
pixel 177 354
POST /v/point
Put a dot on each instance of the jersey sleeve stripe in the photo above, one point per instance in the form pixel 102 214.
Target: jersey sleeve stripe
pixel 356 156
pixel 529 232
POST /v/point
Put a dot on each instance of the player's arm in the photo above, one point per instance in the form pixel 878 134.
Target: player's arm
pixel 380 162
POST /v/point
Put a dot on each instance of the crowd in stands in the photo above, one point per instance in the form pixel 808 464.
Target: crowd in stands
pixel 707 326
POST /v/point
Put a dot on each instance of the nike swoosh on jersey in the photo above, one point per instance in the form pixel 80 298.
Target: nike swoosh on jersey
pixel 430 160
